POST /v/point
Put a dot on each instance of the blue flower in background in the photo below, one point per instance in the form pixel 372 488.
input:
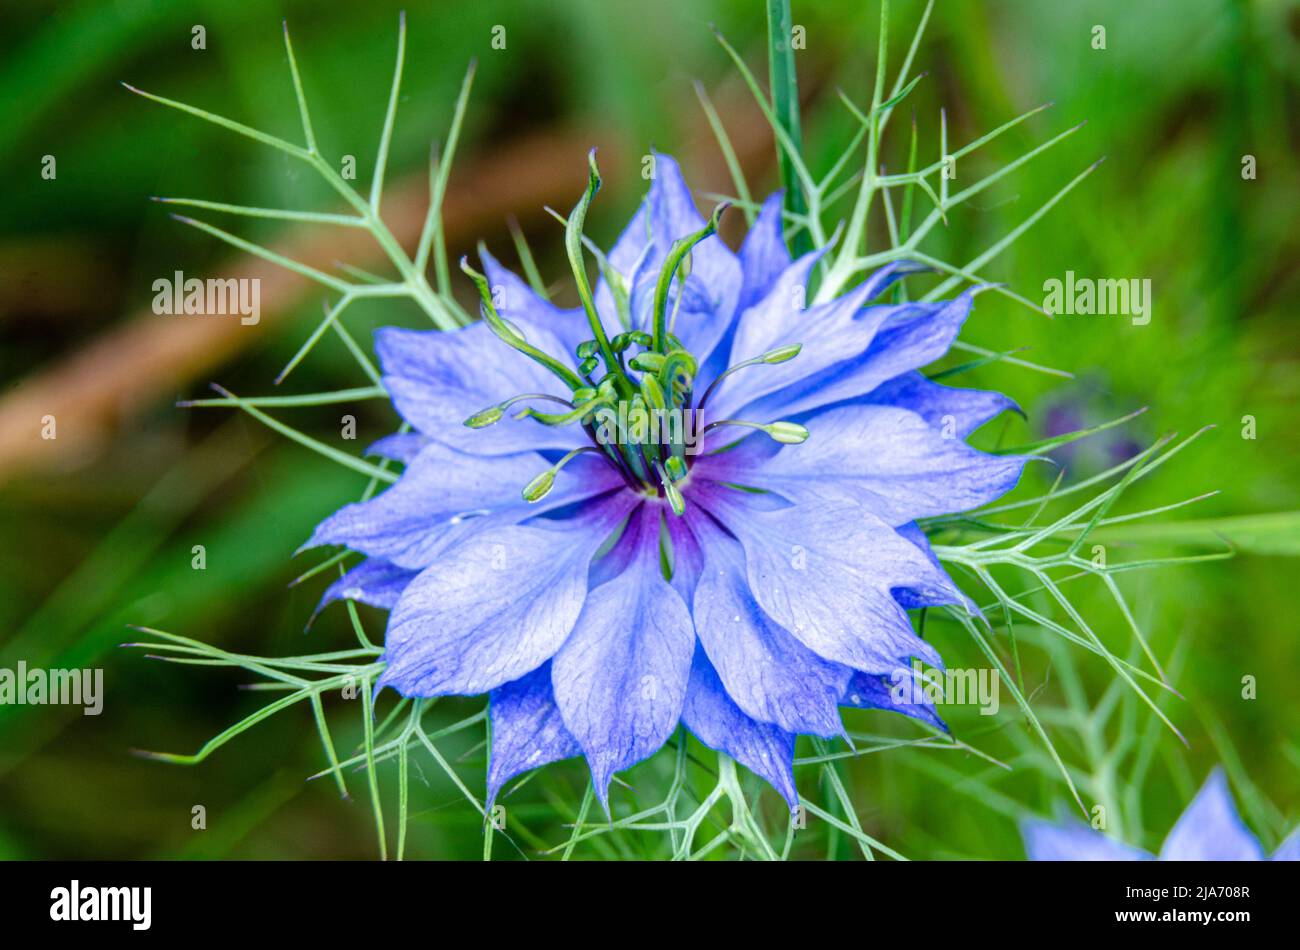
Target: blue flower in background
pixel 745 576
pixel 1209 830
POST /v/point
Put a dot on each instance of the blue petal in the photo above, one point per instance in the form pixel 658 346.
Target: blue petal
pixel 1074 841
pixel 673 215
pixel 769 675
pixel 527 731
pixel 688 558
pixel 763 255
pixel 620 677
pixel 825 572
pixel 628 258
pixel 1210 829
pixel 902 691
pixel 902 338
pixel 374 581
pixel 710 293
pixel 438 379
pixel 715 720
pixel 890 461
pixel 399 447
pixel 961 410
pixel 915 599
pixel 754 323
pixel 827 332
pixel 495 605
pixel 1288 850
pixel 445 495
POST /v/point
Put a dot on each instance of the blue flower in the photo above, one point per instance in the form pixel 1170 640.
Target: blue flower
pixel 745 574
pixel 1209 830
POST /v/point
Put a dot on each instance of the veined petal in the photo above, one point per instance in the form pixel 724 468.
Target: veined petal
pixel 916 598
pixel 709 295
pixel 764 749
pixel 627 257
pixel 1074 841
pixel 948 409
pixel 673 216
pixel 890 461
pixel 825 572
pixel 769 674
pixel 527 731
pixel 763 255
pixel 399 447
pixel 445 495
pixel 687 556
pixel 902 691
pixel 902 338
pixel 374 581
pixel 1210 829
pixel 496 604
pixel 438 379
pixel 620 677
pixel 764 259
pixel 827 332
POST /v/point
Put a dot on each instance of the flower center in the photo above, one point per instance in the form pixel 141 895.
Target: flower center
pixel 633 394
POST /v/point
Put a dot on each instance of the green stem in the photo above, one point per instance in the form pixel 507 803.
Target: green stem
pixel 785 104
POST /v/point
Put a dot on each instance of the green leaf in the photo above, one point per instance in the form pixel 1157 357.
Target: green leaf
pixel 1275 533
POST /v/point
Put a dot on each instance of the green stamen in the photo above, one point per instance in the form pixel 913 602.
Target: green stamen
pixel 541 486
pixel 492 414
pixel 579 413
pixel 787 433
pixel 781 354
pixel 671 492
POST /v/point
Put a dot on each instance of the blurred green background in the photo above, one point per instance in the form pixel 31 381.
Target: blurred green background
pixel 97 526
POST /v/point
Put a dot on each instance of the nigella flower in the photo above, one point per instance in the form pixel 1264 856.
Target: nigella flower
pixel 745 569
pixel 1209 830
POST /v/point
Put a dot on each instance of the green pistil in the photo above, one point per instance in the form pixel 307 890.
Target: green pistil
pixel 681 247
pixel 677 374
pixel 573 247
pixel 653 393
pixel 512 337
